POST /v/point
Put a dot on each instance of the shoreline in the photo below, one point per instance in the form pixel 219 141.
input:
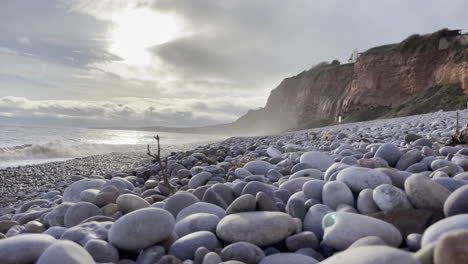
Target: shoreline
pixel 32 180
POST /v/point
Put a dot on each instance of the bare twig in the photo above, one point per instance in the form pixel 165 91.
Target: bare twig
pixel 157 157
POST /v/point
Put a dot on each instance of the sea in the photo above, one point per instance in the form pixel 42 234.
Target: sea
pixel 23 145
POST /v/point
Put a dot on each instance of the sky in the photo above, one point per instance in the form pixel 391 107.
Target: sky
pixel 182 63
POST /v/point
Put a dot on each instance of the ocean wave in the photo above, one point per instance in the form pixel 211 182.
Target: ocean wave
pixel 59 149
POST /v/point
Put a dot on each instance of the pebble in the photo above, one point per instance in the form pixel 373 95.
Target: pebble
pixel 255 227
pixel 64 251
pixel 200 207
pixel 389 152
pixel 435 231
pixel 175 203
pixel 258 167
pixel 371 255
pixel 101 251
pixel 358 179
pixel 408 159
pixel 340 232
pixel 242 251
pixel 281 258
pixel 196 222
pixel 317 160
pixel 336 193
pixel 423 193
pixel 185 247
pixel 388 197
pixel 314 217
pixel 451 248
pixel 79 212
pixel 199 179
pixel 25 248
pixel 366 203
pixel 132 232
pixel 302 240
pixel 72 192
pixel 456 202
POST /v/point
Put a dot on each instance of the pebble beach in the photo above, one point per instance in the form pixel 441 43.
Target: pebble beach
pixel 383 191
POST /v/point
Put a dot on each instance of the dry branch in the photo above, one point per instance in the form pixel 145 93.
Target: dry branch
pixel 157 157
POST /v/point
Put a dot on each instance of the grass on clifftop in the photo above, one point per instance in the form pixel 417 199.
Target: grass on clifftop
pixel 447 97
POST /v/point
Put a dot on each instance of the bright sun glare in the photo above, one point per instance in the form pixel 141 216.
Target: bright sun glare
pixel 136 30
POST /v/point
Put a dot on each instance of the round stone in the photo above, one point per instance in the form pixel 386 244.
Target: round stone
pixel 413 241
pixel 175 203
pixel 423 193
pixel 57 216
pixel 301 240
pixel 242 251
pixel 258 167
pixel 435 231
pixel 368 241
pixel 79 212
pixel 371 255
pixel 141 228
pixel 366 203
pixel 102 251
pixel 313 189
pixel 336 193
pixel 196 222
pixel 358 178
pixel 72 192
pixel 151 255
pixel 244 203
pixel 389 152
pixel 25 248
pixel 89 195
pixel 281 258
pixel 200 207
pixel 107 195
pixel 408 159
pixel 185 247
pixel 65 252
pixel 311 173
pixel 256 227
pixel 294 185
pixel 451 248
pixel 340 230
pixel 254 187
pixel 273 152
pixel 456 202
pixel 314 217
pixel 388 197
pixel 130 202
pixel 84 232
pixel 317 160
pixel 199 179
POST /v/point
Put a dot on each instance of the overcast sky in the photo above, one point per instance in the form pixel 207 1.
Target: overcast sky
pixel 182 62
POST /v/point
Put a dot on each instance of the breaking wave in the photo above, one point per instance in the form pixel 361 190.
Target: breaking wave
pixel 58 149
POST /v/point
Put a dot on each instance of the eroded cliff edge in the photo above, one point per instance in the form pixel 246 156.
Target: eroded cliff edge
pixel 383 76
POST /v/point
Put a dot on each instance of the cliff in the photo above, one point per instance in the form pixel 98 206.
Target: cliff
pixel 384 76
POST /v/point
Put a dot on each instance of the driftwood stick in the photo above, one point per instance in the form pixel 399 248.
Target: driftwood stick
pixel 157 157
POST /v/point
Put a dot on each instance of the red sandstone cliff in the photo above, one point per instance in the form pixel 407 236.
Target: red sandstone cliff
pixel 382 76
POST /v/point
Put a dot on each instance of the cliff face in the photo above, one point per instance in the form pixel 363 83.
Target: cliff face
pixel 382 76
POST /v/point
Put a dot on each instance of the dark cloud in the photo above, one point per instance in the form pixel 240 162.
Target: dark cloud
pixel 248 42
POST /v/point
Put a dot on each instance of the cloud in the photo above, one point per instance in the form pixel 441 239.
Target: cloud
pixel 24 41
pixel 60 67
pixel 128 111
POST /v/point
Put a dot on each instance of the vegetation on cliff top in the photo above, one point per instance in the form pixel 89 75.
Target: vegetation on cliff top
pixel 447 97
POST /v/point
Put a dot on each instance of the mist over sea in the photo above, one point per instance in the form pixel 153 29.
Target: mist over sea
pixel 21 145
